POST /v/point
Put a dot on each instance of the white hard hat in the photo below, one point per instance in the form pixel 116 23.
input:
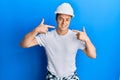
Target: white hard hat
pixel 65 8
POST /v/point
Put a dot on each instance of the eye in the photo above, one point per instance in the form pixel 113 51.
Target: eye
pixel 68 19
pixel 60 18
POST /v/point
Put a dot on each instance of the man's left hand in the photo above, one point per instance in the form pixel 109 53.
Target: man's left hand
pixel 81 35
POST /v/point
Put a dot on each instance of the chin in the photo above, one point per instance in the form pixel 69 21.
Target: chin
pixel 64 29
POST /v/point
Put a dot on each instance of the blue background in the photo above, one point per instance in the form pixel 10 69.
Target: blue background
pixel 18 17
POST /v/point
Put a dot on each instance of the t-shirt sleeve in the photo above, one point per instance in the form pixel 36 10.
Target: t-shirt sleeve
pixel 41 39
pixel 81 45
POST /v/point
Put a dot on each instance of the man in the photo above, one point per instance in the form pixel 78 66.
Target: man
pixel 61 44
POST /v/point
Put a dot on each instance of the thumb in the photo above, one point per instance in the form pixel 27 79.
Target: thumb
pixel 42 22
pixel 83 29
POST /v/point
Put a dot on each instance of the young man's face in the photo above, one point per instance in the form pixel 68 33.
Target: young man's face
pixel 63 21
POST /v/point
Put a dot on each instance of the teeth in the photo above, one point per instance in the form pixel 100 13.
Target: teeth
pixel 63 26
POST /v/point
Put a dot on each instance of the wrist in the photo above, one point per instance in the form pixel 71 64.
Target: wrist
pixel 36 31
pixel 87 41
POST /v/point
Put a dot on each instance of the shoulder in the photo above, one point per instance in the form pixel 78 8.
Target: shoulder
pixel 48 33
pixel 70 31
pixel 72 34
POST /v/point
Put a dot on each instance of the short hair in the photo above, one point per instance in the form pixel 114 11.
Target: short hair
pixel 58 15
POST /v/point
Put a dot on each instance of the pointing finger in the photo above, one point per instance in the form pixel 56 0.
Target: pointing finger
pixel 48 26
pixel 76 31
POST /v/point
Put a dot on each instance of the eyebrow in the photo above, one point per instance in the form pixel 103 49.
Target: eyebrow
pixel 63 17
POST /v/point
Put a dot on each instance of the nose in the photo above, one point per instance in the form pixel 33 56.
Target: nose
pixel 64 22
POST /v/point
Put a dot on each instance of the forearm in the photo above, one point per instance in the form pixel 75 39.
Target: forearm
pixel 29 38
pixel 90 49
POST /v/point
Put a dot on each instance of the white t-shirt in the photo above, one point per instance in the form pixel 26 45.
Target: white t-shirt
pixel 61 51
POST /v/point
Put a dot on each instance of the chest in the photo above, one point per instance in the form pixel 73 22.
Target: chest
pixel 63 45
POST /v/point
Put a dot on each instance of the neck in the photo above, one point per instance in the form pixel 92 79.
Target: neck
pixel 60 32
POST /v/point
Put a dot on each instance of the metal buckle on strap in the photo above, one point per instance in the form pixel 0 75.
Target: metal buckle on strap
pixel 61 78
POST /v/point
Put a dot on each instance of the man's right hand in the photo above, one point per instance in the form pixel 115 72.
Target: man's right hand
pixel 42 28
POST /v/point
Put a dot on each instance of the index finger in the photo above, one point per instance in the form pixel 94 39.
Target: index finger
pixel 48 26
pixel 76 31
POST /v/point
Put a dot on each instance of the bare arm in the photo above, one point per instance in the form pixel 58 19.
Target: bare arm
pixel 90 48
pixel 29 40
